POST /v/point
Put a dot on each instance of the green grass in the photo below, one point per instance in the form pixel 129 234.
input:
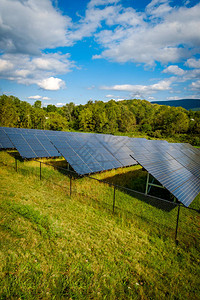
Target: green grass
pixel 53 246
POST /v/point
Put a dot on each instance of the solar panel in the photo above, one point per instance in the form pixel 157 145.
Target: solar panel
pixel 173 166
pixel 31 143
pixel 98 152
pixel 5 142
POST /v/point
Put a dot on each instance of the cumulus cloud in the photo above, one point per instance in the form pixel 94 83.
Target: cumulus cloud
pixel 158 37
pixel 174 70
pixel 27 27
pixel 60 104
pixel 51 84
pixel 162 33
pixel 26 70
pixel 195 86
pixel 31 25
pixel 38 97
pixel 141 90
pixel 193 63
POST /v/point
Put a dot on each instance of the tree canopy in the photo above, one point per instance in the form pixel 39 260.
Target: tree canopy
pixel 134 117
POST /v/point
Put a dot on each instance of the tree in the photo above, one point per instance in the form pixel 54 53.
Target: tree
pixel 127 120
pixel 37 104
pixel 8 113
pixel 55 121
pixel 86 120
pixel 51 108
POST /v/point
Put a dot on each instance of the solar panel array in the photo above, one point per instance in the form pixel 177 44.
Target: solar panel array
pixel 90 153
pixel 175 165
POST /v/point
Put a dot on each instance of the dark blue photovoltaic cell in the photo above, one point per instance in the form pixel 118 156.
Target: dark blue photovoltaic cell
pixel 5 142
pixel 173 166
pixel 22 146
pixel 88 149
pixel 82 169
pixel 31 143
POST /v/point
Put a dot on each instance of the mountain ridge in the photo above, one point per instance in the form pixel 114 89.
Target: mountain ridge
pixel 188 104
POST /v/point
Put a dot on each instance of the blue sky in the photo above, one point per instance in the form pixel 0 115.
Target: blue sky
pixel 65 51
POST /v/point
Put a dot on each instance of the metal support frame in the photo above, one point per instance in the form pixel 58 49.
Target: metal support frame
pixel 70 183
pixel 150 184
pixel 147 183
pixel 177 219
pixel 15 164
pixel 114 200
pixel 40 170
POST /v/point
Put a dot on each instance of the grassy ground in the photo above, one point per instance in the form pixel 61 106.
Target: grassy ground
pixel 53 246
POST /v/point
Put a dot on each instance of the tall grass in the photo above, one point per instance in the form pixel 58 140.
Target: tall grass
pixel 53 246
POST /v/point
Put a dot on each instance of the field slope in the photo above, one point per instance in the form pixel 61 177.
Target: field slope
pixel 53 246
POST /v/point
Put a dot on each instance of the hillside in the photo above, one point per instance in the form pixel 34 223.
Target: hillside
pixel 54 246
pixel 193 104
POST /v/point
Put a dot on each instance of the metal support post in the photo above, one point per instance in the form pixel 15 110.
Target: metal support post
pixel 150 185
pixel 114 200
pixel 16 164
pixel 147 184
pixel 177 224
pixel 70 185
pixel 40 171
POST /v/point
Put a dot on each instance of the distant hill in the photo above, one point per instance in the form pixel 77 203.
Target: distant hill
pixel 193 104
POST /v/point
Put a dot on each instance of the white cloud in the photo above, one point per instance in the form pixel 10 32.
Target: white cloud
pixel 193 63
pixel 174 98
pixel 183 97
pixel 195 86
pixel 5 65
pixel 60 104
pixel 28 26
pixel 174 70
pixel 153 40
pixel 51 84
pixel 158 8
pixel 93 3
pixel 27 70
pixel 37 97
pixel 109 96
pixel 141 90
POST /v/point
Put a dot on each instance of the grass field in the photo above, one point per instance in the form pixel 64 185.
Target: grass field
pixel 53 246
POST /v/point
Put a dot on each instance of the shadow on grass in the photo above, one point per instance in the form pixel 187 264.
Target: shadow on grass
pixel 133 183
pixel 134 180
pixel 16 155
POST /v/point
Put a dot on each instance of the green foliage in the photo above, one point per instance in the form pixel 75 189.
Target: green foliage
pixel 37 104
pixel 138 117
pixel 56 122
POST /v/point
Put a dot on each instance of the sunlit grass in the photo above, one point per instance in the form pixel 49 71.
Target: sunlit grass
pixel 53 246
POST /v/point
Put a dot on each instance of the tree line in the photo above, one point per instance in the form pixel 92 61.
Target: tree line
pixel 133 117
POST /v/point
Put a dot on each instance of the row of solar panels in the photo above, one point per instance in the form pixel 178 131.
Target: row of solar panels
pixel 175 166
pixel 86 153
